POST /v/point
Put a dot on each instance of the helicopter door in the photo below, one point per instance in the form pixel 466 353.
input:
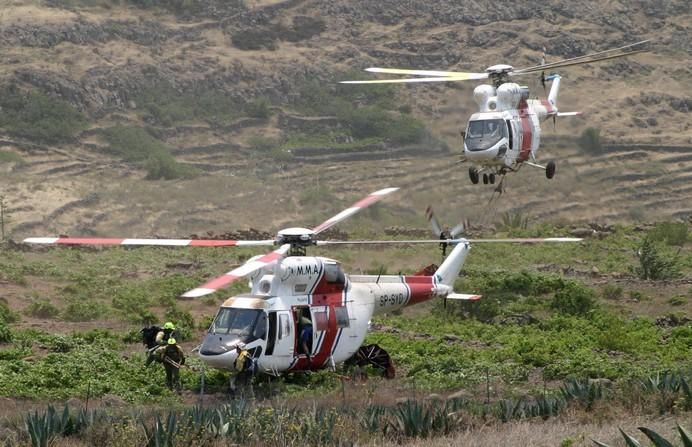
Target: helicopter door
pixel 510 131
pixel 305 331
pixel 280 336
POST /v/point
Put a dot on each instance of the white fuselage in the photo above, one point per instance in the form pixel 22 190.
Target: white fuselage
pixel 506 129
pixel 269 319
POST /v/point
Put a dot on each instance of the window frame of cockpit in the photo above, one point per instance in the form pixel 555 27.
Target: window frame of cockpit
pixel 259 324
pixel 475 140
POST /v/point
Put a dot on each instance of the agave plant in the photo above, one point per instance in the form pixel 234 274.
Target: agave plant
pixel 372 418
pixel 583 391
pixel 161 435
pixel 656 439
pixel 43 427
pixel 411 419
pixel 669 382
pixel 317 428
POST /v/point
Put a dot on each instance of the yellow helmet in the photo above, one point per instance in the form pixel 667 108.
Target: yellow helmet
pixel 169 325
pixel 171 341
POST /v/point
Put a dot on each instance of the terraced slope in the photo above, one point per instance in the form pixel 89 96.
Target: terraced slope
pixel 113 62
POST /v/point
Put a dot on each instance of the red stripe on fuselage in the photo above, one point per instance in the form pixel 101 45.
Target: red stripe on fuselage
pixel 421 288
pixel 548 106
pixel 526 130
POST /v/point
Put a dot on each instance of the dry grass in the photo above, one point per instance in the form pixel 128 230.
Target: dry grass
pixel 560 432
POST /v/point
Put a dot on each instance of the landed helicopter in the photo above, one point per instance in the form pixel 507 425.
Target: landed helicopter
pixel 505 132
pixel 290 290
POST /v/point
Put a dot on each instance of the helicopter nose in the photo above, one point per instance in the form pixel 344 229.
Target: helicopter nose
pixel 477 155
pixel 215 344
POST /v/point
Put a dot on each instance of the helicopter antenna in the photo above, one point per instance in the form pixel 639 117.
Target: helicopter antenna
pixel 379 274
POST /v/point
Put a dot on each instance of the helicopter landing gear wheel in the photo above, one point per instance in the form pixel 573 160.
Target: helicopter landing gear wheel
pixel 377 357
pixel 473 175
pixel 550 169
pixel 485 179
pixel 491 179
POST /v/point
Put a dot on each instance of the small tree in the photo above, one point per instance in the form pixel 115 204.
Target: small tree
pixel 4 217
pixel 573 299
pixel 654 265
pixel 590 140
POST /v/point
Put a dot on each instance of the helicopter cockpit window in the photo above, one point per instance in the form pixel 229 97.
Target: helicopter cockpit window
pixel 333 273
pixel 247 324
pixel 483 134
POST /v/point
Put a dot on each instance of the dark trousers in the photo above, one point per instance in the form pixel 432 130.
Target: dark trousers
pixel 172 377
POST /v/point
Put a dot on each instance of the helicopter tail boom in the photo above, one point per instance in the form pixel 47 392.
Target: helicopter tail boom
pixel 554 88
pixel 448 272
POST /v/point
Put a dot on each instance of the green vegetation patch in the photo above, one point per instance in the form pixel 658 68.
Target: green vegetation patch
pixel 78 365
pixel 166 105
pixel 135 144
pixel 447 353
pixel 40 117
pixel 10 157
pixel 366 115
pixel 266 37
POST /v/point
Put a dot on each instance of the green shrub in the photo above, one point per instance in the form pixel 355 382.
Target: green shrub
pixel 11 157
pixel 41 309
pixel 166 105
pixel 612 292
pixel 672 233
pixel 653 264
pixel 5 333
pixel 574 299
pixel 40 117
pixel 258 108
pixel 255 39
pixel 590 140
pixel 135 144
pixel 80 310
pixel 262 144
pixel 6 314
pixel 184 323
pixel 162 166
pixel 304 27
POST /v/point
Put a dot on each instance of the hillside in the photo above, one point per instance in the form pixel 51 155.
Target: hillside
pixel 239 103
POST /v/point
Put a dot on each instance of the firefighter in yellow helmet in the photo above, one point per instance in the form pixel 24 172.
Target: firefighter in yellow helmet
pixel 165 333
pixel 172 357
pixel 244 367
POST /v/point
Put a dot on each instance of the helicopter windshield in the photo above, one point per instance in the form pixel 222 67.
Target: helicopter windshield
pixel 484 134
pixel 246 324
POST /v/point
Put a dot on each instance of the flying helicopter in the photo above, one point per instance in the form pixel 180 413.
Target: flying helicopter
pixel 505 132
pixel 289 289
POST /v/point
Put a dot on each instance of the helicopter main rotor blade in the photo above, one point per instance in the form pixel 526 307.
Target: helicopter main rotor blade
pixel 460 75
pixel 588 58
pixel 533 240
pixel 359 205
pixel 237 273
pixel 409 80
pixel 144 242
